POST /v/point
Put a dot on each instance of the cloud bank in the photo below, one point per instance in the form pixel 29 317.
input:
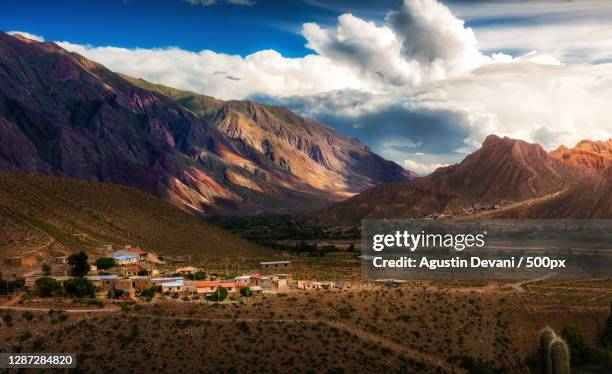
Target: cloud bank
pixel 417 88
pixel 38 38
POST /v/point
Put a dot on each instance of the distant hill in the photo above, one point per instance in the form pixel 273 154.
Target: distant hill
pixel 43 214
pixel 505 177
pixel 591 197
pixel 587 154
pixel 64 115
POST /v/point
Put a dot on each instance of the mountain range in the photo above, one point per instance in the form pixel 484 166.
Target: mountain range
pixel 505 178
pixel 64 115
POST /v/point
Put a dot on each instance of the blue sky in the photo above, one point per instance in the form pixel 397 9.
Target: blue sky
pixel 222 27
pixel 421 82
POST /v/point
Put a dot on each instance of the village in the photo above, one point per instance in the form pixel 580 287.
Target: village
pixel 130 273
pixel 121 297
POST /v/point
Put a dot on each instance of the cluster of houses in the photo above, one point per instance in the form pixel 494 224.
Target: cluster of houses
pixel 134 285
pixel 180 284
pixel 128 275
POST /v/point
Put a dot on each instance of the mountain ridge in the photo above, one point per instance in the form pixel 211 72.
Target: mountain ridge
pixel 64 115
pixel 505 178
pixel 587 154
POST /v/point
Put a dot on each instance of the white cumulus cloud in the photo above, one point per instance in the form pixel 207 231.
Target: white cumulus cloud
pixel 417 87
pixel 222 75
pixel 38 38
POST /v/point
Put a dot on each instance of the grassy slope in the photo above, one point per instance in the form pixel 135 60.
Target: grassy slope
pixel 202 105
pixel 37 211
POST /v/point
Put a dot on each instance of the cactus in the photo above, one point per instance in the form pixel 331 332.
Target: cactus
pixel 547 335
pixel 560 356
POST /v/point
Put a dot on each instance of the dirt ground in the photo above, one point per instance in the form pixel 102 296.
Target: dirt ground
pixel 418 327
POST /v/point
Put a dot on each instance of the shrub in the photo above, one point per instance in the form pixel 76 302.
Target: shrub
pixel 7 318
pixel 477 366
pixel 143 272
pixel 38 344
pixel 148 293
pixel 220 294
pixel 244 327
pixel 79 287
pixel 80 266
pixel 606 335
pixel 25 336
pixel 104 263
pixel 8 287
pixel 46 269
pixel 580 348
pixel 199 275
pixel 27 315
pixel 48 286
pixel 246 291
pixel 115 293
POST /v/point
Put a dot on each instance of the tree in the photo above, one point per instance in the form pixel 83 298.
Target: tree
pixel 115 293
pixel 46 269
pixel 198 275
pixel 143 272
pixel 220 294
pixel 79 287
pixel 246 291
pixel 104 263
pixel 48 286
pixel 8 287
pixel 80 266
pixel 148 293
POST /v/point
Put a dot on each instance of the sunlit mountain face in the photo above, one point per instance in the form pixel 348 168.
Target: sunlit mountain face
pixel 64 115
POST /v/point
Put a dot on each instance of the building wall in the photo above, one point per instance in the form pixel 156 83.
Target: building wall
pixel 141 284
pixel 125 285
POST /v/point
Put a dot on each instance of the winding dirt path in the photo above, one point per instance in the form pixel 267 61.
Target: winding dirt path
pixel 518 286
pixel 396 347
pixel 517 204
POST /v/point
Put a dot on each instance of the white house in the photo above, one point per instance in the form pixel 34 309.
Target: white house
pixel 123 260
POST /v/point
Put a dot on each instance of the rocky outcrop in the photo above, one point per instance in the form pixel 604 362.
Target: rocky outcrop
pixel 589 155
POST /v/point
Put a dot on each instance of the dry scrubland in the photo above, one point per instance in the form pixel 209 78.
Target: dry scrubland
pixel 415 328
pixel 42 214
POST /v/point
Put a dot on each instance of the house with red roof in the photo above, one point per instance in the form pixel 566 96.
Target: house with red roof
pixel 208 287
pixel 139 253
